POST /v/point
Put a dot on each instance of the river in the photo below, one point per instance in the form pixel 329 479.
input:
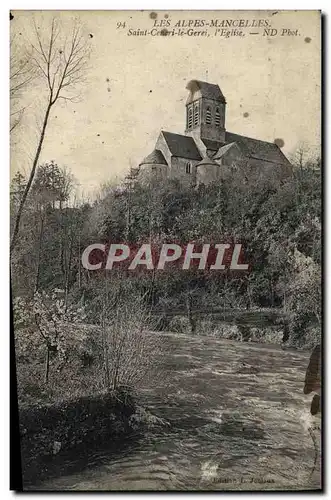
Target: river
pixel 238 420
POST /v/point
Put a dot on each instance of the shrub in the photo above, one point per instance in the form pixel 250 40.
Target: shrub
pixel 131 349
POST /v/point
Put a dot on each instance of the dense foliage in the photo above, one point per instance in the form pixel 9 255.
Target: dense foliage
pixel 277 221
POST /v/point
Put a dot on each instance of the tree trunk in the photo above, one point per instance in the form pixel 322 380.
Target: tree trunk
pixel 61 253
pixel 47 366
pixel 68 270
pixel 79 265
pixel 31 178
pixel 190 316
pixel 105 338
pixel 106 357
pixel 41 234
pixel 272 293
pixel 286 333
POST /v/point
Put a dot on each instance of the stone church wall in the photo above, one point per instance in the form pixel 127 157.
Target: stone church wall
pixel 178 170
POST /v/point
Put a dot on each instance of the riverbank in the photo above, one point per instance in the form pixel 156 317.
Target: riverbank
pixel 263 326
pixel 49 429
pixel 238 418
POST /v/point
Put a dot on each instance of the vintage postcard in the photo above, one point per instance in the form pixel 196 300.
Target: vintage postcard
pixel 166 250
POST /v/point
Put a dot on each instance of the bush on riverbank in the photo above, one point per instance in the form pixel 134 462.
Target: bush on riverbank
pixel 76 381
pixel 47 430
pixel 59 360
pixel 214 327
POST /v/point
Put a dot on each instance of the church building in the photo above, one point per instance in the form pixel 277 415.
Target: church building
pixel 207 150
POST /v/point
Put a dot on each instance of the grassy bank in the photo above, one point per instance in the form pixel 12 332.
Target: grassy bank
pixel 75 384
pixel 49 429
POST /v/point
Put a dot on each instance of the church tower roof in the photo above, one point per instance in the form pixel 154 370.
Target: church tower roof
pixel 198 89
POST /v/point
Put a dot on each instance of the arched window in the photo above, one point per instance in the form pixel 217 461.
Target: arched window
pixel 190 117
pixel 188 167
pixel 217 117
pixel 196 114
pixel 208 116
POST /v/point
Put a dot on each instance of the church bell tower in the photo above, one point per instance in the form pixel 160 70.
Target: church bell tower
pixel 205 112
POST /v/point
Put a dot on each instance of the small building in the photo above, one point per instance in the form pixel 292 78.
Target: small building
pixel 207 150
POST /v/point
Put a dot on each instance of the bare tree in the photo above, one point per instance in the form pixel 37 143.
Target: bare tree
pixel 21 74
pixel 301 155
pixel 60 61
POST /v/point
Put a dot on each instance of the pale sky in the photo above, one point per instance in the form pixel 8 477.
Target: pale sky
pixel 272 86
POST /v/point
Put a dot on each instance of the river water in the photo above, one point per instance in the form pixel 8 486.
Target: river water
pixel 237 420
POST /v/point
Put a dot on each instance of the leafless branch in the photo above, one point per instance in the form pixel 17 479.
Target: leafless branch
pixel 21 75
pixel 60 60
